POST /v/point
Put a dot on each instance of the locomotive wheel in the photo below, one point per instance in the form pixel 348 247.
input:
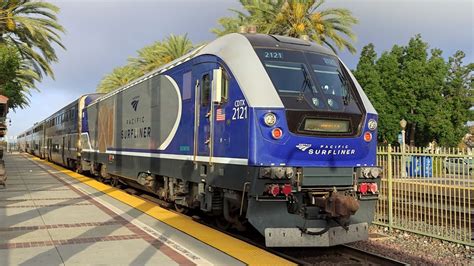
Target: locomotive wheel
pixel 181 209
pixel 78 168
pixel 103 176
pixel 114 181
pixel 222 223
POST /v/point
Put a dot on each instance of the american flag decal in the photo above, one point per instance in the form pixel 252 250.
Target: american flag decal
pixel 220 115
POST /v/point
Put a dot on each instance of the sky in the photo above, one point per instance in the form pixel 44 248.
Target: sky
pixel 102 34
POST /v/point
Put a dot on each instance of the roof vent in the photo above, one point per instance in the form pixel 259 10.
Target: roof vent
pixel 242 29
pixel 304 37
pixel 252 29
pixel 290 40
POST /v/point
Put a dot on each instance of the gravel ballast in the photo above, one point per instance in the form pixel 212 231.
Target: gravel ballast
pixel 415 249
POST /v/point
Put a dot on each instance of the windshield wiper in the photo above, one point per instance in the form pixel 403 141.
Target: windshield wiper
pixel 306 83
pixel 347 97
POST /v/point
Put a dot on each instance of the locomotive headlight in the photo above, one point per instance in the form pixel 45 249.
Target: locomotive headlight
pixel 372 124
pixel 270 119
pixel 366 172
pixel 375 172
pixel 369 172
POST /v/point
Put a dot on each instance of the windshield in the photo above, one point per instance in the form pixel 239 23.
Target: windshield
pixel 308 81
pixel 288 76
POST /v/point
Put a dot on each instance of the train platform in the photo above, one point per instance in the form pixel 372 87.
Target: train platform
pixel 53 216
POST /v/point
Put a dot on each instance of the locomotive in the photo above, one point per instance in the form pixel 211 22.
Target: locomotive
pixel 256 129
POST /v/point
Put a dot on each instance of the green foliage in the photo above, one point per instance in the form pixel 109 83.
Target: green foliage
pixel 457 97
pixel 119 77
pixel 408 82
pixel 10 82
pixel 149 58
pixel 369 74
pixel 28 33
pixel 160 53
pixel 295 18
pixel 32 27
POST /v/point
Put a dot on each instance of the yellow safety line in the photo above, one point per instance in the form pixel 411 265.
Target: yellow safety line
pixel 236 248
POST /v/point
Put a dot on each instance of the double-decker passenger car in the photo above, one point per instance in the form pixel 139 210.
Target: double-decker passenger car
pixel 267 129
pixel 57 137
pixel 21 141
pixel 37 138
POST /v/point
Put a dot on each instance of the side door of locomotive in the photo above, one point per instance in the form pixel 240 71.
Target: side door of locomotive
pixel 202 78
pixel 205 76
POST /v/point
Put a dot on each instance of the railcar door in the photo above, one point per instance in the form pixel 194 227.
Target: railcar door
pixel 40 148
pixel 49 148
pixel 203 120
pixel 63 151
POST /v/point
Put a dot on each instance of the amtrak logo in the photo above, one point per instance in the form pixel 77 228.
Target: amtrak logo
pixel 303 147
pixel 134 103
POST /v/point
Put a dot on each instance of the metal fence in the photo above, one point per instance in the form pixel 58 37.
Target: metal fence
pixel 429 192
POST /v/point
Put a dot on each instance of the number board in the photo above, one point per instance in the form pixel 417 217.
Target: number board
pixel 273 54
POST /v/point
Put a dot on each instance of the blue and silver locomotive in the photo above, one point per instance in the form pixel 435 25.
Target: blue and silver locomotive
pixel 267 130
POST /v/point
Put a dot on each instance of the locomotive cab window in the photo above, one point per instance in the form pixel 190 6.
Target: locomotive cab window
pixel 288 75
pixel 205 90
pixel 225 87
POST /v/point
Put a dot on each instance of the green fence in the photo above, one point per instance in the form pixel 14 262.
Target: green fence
pixel 429 192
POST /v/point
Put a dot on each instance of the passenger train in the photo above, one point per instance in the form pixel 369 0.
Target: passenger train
pixel 254 129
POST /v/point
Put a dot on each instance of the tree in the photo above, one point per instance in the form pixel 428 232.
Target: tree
pixel 408 82
pixel 119 77
pixel 32 27
pixel 295 18
pixel 457 93
pixel 149 58
pixel 367 74
pixel 160 53
pixel 10 83
pixel 388 67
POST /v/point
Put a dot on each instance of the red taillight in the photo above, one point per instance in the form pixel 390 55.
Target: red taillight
pixel 373 188
pixel 286 189
pixel 274 190
pixel 365 188
pixel 277 133
pixel 368 136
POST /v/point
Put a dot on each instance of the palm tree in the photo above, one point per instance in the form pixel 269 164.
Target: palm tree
pixel 160 53
pixel 296 18
pixel 27 76
pixel 32 27
pixel 149 58
pixel 119 77
pixel 261 13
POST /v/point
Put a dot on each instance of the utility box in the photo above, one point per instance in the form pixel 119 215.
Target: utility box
pixel 420 166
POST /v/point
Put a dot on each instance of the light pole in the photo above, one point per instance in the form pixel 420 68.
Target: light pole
pixel 403 124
